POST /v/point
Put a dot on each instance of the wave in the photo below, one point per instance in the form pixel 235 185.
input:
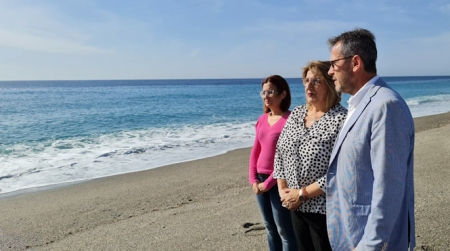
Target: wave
pixel 49 162
pixel 428 99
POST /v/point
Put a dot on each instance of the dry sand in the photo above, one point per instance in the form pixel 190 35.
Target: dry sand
pixel 198 205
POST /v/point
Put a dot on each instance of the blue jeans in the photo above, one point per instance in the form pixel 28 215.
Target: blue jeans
pixel 277 220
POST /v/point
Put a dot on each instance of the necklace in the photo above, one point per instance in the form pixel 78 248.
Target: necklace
pixel 314 119
pixel 280 115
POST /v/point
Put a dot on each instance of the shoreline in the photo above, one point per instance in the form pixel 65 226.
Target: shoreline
pixel 421 124
pixel 203 204
pixel 70 183
pixel 431 121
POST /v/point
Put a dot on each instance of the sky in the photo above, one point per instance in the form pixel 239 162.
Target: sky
pixel 211 39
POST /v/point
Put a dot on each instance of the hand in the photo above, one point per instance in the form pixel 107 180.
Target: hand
pixel 261 188
pixel 292 205
pixel 290 198
pixel 283 192
pixel 255 188
pixel 293 195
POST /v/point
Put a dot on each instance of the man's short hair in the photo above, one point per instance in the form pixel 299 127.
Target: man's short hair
pixel 359 42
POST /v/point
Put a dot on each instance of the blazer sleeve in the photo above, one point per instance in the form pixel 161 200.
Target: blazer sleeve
pixel 391 141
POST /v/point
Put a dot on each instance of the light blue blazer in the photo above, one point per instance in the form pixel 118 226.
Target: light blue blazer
pixel 370 186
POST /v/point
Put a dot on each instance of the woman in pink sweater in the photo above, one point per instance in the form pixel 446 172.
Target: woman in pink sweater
pixel 277 219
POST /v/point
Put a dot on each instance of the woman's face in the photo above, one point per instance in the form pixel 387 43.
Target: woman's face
pixel 271 96
pixel 315 89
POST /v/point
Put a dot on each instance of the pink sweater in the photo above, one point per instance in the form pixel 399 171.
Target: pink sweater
pixel 263 151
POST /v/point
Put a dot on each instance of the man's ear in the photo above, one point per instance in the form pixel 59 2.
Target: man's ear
pixel 357 63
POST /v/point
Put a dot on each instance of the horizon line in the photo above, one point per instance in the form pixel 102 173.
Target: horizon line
pixel 145 79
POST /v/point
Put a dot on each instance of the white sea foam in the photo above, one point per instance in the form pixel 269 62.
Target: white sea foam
pixel 428 105
pixel 428 99
pixel 75 159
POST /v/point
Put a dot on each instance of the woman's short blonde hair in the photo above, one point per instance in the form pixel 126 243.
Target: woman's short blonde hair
pixel 320 69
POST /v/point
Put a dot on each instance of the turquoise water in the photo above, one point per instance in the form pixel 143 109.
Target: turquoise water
pixel 54 132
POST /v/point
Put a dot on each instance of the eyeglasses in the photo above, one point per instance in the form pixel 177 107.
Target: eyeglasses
pixel 269 93
pixel 333 62
pixel 314 81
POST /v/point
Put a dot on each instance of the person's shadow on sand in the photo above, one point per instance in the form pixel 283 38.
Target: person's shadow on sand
pixel 252 226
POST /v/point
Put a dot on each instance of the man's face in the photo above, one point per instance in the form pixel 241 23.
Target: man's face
pixel 341 70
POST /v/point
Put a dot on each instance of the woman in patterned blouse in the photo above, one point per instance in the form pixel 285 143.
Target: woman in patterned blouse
pixel 276 97
pixel 303 153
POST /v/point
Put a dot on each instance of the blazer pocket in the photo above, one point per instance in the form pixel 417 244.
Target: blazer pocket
pixel 361 210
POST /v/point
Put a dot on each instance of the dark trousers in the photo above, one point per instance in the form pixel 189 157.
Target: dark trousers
pixel 310 231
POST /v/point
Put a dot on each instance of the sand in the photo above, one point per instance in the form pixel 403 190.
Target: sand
pixel 204 204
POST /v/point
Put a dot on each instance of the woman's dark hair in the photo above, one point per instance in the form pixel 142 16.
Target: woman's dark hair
pixel 281 85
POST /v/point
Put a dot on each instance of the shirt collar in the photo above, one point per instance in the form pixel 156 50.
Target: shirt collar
pixel 354 100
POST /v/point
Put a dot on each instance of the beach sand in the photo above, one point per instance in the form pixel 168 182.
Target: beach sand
pixel 205 204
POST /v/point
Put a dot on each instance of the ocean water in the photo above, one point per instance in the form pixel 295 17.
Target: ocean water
pixel 55 132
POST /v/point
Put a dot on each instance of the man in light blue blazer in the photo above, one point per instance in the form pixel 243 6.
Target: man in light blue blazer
pixel 370 186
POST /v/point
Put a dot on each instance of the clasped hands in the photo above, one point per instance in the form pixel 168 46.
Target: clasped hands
pixel 290 198
pixel 258 188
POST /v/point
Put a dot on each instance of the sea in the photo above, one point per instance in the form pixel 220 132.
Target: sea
pixel 59 132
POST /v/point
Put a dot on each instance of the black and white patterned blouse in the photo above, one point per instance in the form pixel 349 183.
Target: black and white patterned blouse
pixel 303 154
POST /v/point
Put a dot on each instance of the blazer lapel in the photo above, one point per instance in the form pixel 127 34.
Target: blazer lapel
pixel 355 116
